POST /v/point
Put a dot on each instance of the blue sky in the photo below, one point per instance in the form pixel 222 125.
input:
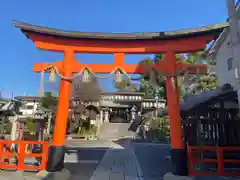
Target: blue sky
pixel 18 53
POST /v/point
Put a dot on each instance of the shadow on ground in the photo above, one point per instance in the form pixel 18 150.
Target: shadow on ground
pixel 82 161
pixel 152 162
pixel 152 158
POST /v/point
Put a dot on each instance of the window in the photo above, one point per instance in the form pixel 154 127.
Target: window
pixel 29 107
pixel 228 45
pixel 230 63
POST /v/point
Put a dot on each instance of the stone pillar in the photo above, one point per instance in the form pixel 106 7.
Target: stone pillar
pixel 106 116
pixel 101 116
pixel 49 124
pixel 38 129
pixel 133 113
pixel 14 131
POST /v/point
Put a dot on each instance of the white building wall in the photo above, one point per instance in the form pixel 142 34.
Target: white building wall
pixel 223 54
pixel 29 108
pixel 223 73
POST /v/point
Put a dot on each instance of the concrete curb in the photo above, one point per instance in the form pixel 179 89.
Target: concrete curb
pixel 83 138
pixel 18 175
pixel 151 144
pixel 59 175
pixel 171 176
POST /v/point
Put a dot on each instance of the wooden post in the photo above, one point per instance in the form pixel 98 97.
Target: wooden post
pixel 57 149
pixel 178 153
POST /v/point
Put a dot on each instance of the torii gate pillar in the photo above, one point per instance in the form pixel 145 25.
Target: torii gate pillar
pixel 57 149
pixel 178 151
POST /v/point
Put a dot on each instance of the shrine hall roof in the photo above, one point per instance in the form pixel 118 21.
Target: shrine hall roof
pixel 195 101
pixel 204 30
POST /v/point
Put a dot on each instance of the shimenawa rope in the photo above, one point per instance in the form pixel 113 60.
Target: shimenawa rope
pixel 53 68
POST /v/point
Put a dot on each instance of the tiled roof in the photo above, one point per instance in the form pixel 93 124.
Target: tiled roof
pixel 123 93
pixel 195 101
pixel 37 98
pixel 215 46
pixel 28 98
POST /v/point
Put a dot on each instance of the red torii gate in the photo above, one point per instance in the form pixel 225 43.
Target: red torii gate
pixel 169 43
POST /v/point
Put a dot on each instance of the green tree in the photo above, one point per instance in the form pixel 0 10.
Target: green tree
pixel 83 91
pixel 49 105
pixel 161 57
pixel 196 58
pixel 189 84
pixel 199 83
pixel 207 82
pixel 151 83
pixel 156 86
pixel 159 127
pixel 49 101
pixel 86 91
pixel 125 85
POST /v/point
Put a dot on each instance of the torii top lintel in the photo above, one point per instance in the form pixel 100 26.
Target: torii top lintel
pixel 181 41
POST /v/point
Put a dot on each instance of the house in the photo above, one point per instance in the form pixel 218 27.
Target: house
pixel 30 104
pixel 224 94
pixel 3 101
pixel 222 51
pixel 117 102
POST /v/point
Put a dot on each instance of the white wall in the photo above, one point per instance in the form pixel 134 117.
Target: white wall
pixel 224 75
pixel 223 54
pixel 29 108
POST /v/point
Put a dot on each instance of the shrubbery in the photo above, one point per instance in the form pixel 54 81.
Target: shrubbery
pixel 159 129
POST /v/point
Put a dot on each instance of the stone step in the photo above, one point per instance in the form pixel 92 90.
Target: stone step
pixel 114 131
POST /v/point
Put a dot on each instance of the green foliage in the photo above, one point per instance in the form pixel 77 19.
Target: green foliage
pixel 161 57
pixel 196 57
pixel 6 125
pixel 86 131
pixel 208 83
pixel 151 89
pixel 125 85
pixel 48 101
pixel 159 128
pixel 31 125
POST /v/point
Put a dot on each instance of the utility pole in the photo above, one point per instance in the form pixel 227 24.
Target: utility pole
pixel 235 42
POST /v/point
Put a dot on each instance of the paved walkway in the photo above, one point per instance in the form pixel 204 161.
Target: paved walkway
pixel 119 163
pixel 116 161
